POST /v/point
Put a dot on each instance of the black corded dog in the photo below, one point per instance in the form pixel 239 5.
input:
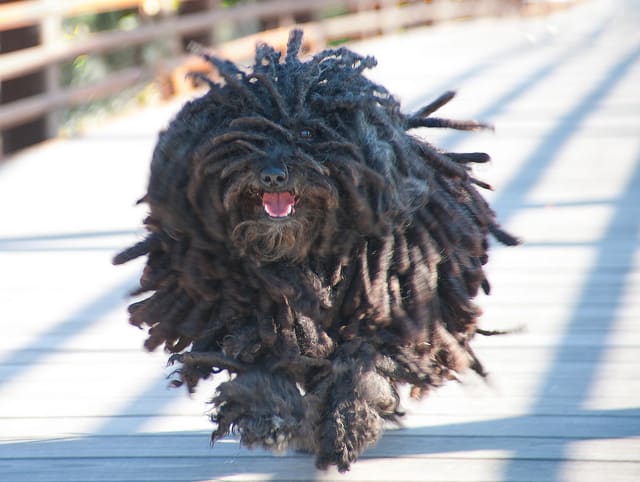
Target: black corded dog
pixel 304 241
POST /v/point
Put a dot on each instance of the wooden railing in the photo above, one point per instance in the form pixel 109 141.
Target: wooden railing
pixel 272 18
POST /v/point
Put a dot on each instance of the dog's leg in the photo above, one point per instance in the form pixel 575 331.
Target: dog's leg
pixel 266 409
pixel 357 401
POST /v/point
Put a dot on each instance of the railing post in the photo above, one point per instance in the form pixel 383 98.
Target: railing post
pixel 204 37
pixel 49 37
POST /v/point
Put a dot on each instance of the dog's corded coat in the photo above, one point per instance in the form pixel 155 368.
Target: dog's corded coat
pixel 301 238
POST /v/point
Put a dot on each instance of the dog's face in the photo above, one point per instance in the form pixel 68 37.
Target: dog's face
pixel 277 193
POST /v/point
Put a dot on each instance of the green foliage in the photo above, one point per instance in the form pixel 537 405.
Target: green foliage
pixel 84 69
pixel 88 69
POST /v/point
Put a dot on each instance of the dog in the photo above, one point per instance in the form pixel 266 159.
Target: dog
pixel 303 238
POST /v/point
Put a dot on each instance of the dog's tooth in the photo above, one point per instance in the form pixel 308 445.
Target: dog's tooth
pixel 269 441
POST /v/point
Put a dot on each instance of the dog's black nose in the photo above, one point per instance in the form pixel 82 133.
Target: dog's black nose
pixel 274 176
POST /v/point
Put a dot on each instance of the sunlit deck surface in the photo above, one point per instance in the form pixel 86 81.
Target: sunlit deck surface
pixel 81 401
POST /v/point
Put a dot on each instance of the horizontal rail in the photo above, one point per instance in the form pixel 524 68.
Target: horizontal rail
pixel 22 14
pixel 20 111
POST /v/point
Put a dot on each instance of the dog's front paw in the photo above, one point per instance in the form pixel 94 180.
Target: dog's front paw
pixel 356 401
pixel 265 409
pixel 351 427
pixel 273 433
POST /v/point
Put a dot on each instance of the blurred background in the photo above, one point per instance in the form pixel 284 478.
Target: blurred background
pixel 67 63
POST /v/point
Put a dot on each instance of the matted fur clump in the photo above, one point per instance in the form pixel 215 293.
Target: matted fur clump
pixel 303 240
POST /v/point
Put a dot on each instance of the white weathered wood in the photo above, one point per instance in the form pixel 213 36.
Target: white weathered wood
pixel 452 469
pixel 156 446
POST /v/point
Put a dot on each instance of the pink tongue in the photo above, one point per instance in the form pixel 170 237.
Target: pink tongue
pixel 278 204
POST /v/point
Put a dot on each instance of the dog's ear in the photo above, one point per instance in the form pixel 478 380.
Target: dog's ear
pixel 390 192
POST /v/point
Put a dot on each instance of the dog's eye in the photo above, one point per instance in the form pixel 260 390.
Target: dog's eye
pixel 306 133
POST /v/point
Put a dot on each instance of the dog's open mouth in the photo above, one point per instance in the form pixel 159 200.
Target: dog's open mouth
pixel 279 204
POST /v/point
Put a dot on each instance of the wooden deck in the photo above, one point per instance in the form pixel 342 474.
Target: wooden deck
pixel 81 401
